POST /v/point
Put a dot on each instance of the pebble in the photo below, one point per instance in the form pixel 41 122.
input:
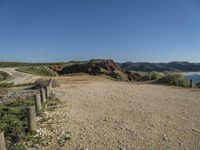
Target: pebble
pixel 165 137
pixel 17 94
pixel 84 149
pixel 122 147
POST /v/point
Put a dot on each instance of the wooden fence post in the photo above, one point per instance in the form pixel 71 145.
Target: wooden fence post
pixel 49 88
pixel 150 74
pixel 31 119
pixel 2 142
pixel 43 96
pixel 50 84
pixel 191 83
pixel 38 104
pixel 157 78
pixel 177 81
pixel 47 91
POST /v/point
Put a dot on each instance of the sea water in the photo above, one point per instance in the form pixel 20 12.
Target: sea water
pixel 194 76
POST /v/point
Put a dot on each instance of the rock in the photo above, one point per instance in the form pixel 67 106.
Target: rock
pixel 132 76
pixel 84 149
pixel 165 138
pixel 122 147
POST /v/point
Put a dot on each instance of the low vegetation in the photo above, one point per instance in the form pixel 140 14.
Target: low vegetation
pixel 38 70
pixel 12 122
pixel 3 91
pixel 96 67
pixel 117 76
pixel 22 64
pixel 6 84
pixel 174 79
pixel 4 76
pixel 41 83
pixel 143 76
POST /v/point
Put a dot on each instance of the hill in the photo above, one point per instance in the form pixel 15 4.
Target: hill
pixel 148 67
pixel 96 67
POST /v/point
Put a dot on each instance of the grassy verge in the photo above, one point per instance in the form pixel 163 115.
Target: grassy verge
pixel 22 64
pixel 4 76
pixel 38 70
pixel 6 85
pixel 12 122
pixel 174 79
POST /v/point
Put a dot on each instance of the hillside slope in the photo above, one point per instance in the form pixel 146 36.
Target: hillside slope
pixel 96 67
pixel 172 66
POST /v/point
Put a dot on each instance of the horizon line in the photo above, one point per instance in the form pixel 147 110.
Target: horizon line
pixel 128 61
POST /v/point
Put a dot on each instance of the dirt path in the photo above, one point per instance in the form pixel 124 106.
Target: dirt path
pixel 18 77
pixel 108 115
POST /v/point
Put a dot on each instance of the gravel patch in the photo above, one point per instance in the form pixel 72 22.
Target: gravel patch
pixel 118 115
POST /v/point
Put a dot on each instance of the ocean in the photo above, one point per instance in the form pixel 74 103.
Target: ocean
pixel 195 76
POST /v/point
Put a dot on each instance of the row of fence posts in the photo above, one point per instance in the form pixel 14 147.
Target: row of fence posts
pixel 177 81
pixel 191 84
pixel 32 111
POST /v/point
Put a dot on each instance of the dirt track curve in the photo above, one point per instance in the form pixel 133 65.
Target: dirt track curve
pixel 18 77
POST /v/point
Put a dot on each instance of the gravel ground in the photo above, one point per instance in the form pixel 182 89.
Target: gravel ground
pixel 16 94
pixel 108 115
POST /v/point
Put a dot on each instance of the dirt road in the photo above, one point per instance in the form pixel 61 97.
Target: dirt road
pixel 108 115
pixel 18 77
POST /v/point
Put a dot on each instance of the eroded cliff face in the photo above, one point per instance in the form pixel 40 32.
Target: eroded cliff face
pixel 92 67
pixel 99 66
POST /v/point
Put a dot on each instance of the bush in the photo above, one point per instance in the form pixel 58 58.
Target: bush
pixel 4 76
pixel 38 70
pixel 155 75
pixel 145 77
pixel 12 120
pixel 55 84
pixel 115 75
pixel 6 85
pixel 173 79
pixel 41 83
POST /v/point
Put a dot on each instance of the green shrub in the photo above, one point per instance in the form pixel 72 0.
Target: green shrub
pixel 12 120
pixel 4 76
pixel 6 85
pixel 155 75
pixel 38 70
pixel 145 77
pixel 173 79
pixel 115 75
pixel 41 83
pixel 55 84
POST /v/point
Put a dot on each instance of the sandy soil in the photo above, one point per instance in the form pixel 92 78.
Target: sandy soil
pixel 109 115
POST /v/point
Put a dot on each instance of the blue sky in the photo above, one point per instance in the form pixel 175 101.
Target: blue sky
pixel 125 30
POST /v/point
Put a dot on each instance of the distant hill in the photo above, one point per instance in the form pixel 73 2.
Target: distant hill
pixel 172 66
pixel 127 66
pixel 23 64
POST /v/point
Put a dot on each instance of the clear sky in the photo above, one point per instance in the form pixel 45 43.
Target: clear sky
pixel 125 30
